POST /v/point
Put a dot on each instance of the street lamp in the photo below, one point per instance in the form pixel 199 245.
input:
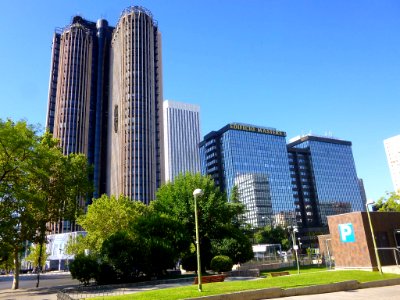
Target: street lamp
pixel 378 261
pixel 197 193
pixel 295 247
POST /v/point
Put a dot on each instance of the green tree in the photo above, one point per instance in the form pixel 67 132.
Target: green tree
pixel 37 255
pixel 215 214
pixel 272 235
pixel 33 176
pixel 105 217
pixel 389 203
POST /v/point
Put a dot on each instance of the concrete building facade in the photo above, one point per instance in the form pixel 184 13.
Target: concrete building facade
pixel 181 138
pixel 135 143
pixel 392 149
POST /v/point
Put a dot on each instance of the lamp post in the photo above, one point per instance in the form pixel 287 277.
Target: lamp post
pixel 378 261
pixel 197 193
pixel 295 247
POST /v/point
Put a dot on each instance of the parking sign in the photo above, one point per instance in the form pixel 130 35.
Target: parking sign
pixel 346 232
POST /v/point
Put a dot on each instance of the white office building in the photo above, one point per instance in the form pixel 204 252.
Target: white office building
pixel 181 138
pixel 392 148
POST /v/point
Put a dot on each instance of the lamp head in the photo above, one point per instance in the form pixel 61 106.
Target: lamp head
pixel 370 202
pixel 198 192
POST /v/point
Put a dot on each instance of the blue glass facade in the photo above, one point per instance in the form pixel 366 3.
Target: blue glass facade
pixel 252 157
pixel 296 184
pixel 334 186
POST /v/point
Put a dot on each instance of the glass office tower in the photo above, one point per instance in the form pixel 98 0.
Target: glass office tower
pixel 255 159
pixel 181 138
pixel 135 149
pixel 324 177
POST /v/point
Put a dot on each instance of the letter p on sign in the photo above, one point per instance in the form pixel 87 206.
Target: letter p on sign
pixel 346 233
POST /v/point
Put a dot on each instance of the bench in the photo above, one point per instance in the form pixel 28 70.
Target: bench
pixel 276 274
pixel 209 279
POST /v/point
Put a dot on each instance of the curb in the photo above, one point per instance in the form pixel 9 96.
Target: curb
pixel 309 290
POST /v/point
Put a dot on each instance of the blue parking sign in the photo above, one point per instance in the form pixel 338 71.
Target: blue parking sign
pixel 346 232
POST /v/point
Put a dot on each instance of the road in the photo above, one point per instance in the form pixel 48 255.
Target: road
pixel 50 283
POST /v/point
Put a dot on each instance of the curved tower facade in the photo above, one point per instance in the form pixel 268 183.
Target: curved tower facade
pixel 135 149
pixel 75 97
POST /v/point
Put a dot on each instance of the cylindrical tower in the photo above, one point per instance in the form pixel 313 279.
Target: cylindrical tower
pixel 74 88
pixel 135 143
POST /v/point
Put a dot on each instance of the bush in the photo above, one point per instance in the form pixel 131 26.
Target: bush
pixel 221 263
pixel 106 274
pixel 83 268
pixel 189 262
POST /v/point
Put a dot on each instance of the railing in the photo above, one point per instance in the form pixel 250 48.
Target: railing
pixel 396 253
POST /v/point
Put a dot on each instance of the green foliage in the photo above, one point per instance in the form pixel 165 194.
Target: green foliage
pixel 127 255
pixel 35 255
pixel 217 217
pixel 83 268
pixel 221 263
pixel 38 185
pixel 236 246
pixel 105 217
pixel 189 262
pixel 272 235
pixel 390 203
pixel 162 238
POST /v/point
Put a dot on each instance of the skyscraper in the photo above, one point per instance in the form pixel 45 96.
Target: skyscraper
pixel 77 93
pixel 255 160
pixel 392 148
pixel 135 148
pixel 324 178
pixel 181 138
pixel 105 101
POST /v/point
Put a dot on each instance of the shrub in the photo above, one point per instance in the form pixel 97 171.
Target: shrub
pixel 221 263
pixel 83 268
pixel 189 262
pixel 106 274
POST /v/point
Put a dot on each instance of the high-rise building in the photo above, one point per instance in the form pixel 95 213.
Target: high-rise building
pixel 392 148
pixel 135 149
pixel 256 161
pixel 300 183
pixel 181 138
pixel 324 179
pixel 78 95
pixel 105 101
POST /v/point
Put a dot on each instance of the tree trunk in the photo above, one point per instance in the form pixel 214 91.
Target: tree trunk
pixel 39 264
pixel 15 284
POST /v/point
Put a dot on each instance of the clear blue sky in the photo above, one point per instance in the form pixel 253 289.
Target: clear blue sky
pixel 300 66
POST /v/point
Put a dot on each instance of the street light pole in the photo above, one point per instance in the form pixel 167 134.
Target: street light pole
pixel 295 247
pixel 378 261
pixel 196 193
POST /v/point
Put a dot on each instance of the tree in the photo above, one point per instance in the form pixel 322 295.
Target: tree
pixel 272 235
pixel 107 216
pixel 389 203
pixel 84 268
pixel 215 214
pixel 37 255
pixel 34 176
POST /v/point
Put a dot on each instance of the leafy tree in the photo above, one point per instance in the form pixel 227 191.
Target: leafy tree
pixel 84 268
pixel 272 235
pixel 389 203
pixel 215 214
pixel 162 237
pixel 127 255
pixel 105 217
pixel 36 255
pixel 37 186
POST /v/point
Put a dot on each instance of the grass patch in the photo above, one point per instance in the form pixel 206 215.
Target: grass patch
pixel 291 270
pixel 304 279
